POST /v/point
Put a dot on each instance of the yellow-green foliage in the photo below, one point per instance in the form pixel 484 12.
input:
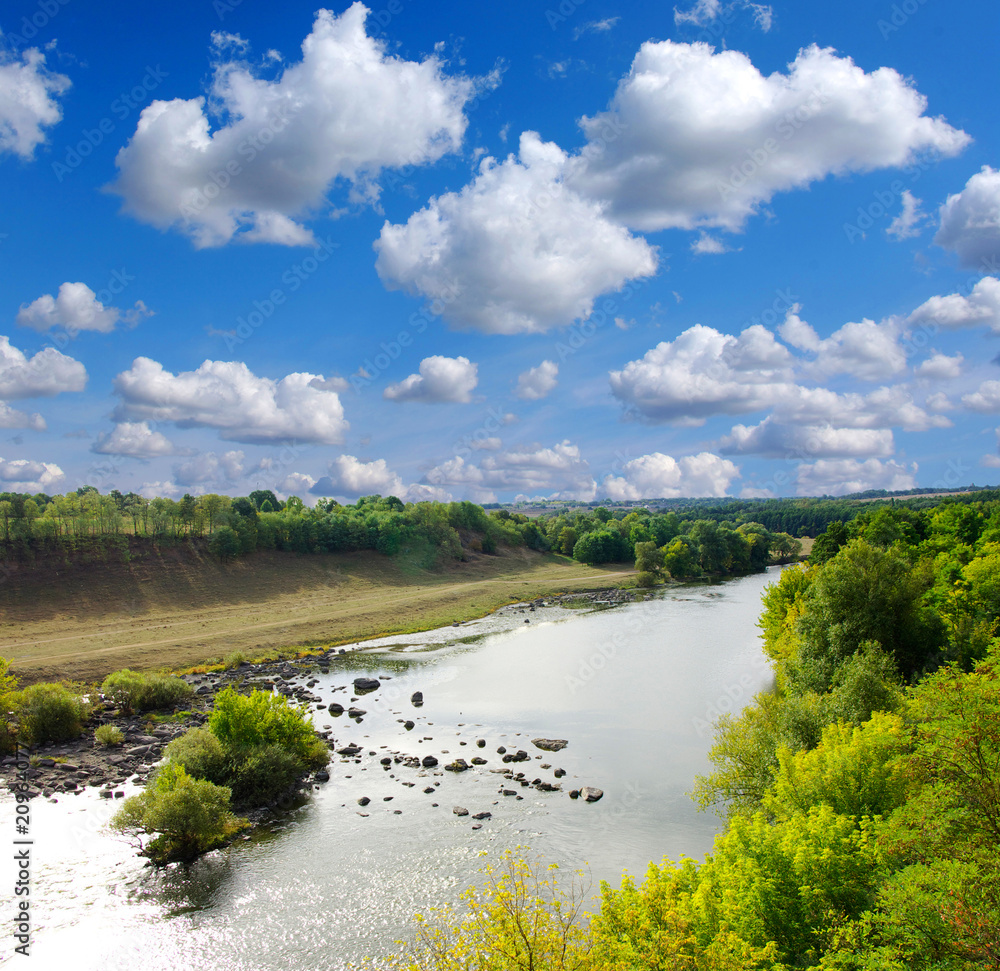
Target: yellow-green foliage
pixel 520 920
pixel 109 735
pixel 141 691
pixel 187 816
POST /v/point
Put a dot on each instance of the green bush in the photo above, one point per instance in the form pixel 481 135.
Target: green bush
pixel 139 691
pixel 109 735
pixel 187 816
pixel 258 776
pixel 243 722
pixel 50 713
pixel 233 660
pixel 201 754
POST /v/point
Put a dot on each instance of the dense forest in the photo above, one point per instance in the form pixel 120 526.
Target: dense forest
pixel 861 794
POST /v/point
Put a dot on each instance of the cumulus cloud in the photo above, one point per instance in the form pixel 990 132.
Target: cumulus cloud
pixel 349 476
pixel 76 308
pixel 28 92
pixel 537 382
pixel 346 111
pixel 516 251
pixel 986 400
pixel 48 372
pixel 560 471
pixel 773 439
pixel 907 224
pixel 866 349
pixel 981 308
pixel 659 476
pixel 135 439
pixel 838 477
pixel 295 484
pixel 697 138
pixel 228 396
pixel 970 221
pixel 12 418
pixel 703 372
pixel 708 245
pixel 940 367
pixel 24 475
pixel 210 467
pixel 441 379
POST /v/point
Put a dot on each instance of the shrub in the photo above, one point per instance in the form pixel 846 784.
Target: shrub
pixel 201 754
pixel 187 816
pixel 258 776
pixel 243 722
pixel 50 713
pixel 225 543
pixel 137 691
pixel 233 660
pixel 109 735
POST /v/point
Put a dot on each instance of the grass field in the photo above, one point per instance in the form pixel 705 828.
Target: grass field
pixel 177 608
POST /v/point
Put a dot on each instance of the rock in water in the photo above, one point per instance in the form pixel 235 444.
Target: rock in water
pixel 591 794
pixel 460 811
pixel 366 684
pixel 549 744
pixel 417 698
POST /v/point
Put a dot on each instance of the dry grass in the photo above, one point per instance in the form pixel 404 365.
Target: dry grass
pixel 177 609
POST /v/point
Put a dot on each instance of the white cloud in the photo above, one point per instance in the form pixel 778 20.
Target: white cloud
pixel 46 373
pixel 537 382
pixel 559 471
pixel 296 484
pixel 228 396
pixel 441 379
pixel 939 401
pixel 12 418
pixel 708 245
pixel 981 308
pixel 703 372
pixel 704 12
pixel 133 438
pixel 940 367
pixel 659 476
pixel 990 461
pixel 697 138
pixel 970 221
pixel 76 308
pixel 516 251
pixel 773 439
pixel 349 476
pixel 347 110
pixel 838 477
pixel 596 27
pixel 24 475
pixel 906 224
pixel 986 400
pixel 209 467
pixel 28 92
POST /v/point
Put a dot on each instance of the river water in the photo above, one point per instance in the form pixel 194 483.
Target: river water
pixel 633 688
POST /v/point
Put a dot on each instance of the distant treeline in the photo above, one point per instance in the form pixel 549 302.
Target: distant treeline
pixel 714 537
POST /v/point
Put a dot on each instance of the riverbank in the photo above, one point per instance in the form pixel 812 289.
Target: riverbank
pixel 181 608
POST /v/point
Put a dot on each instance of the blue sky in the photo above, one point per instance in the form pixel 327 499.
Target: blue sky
pixel 487 251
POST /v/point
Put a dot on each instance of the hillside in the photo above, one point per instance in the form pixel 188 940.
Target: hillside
pixel 177 606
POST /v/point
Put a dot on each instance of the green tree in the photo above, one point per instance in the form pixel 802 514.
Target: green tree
pixel 186 816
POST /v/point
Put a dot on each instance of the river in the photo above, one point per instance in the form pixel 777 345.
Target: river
pixel 633 689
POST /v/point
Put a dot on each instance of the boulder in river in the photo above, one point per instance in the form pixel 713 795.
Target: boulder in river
pixel 460 811
pixel 336 708
pixel 417 698
pixel 590 794
pixel 366 684
pixel 549 744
